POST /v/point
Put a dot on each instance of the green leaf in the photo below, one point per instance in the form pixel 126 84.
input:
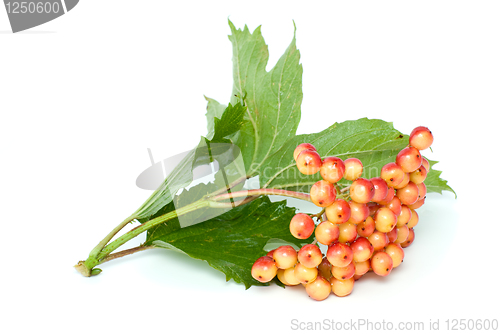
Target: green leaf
pixel 374 142
pixel 214 109
pixel 231 242
pixel 230 122
pixel 434 182
pixel 180 177
pixel 219 148
pixel 272 98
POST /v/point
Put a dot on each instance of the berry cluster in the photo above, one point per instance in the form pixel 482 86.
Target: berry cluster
pixel 365 226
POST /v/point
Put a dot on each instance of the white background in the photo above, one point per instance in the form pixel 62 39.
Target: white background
pixel 84 96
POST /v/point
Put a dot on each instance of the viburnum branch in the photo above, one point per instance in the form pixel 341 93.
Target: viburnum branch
pixel 343 190
pixel 117 255
pixel 258 192
pixel 146 226
pixel 319 214
pixel 232 204
pixel 97 249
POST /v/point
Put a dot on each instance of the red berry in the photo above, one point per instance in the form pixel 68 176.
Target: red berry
pixel 310 256
pixel 396 253
pixel 409 159
pixel 361 190
pixel 309 162
pixel 381 189
pixel 385 219
pixel 264 269
pixel 421 138
pixel 339 212
pixel 285 257
pixel 332 169
pixel 409 241
pixel 359 212
pixel 378 240
pixel 395 205
pixel 323 193
pixel 392 174
pixel 344 272
pixel 319 289
pixel 353 169
pixel 327 232
pixel 347 232
pixel 301 226
pixel 339 254
pixel 409 194
pixel 381 263
pixel 302 147
pixel 362 249
pixel 418 176
pixel 366 228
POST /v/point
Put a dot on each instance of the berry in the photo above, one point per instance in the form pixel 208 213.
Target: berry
pixel 270 253
pixel 409 159
pixel 309 162
pixel 310 256
pixel 373 208
pixel 362 268
pixel 378 240
pixel 421 138
pixel 362 190
pixel 381 263
pixel 302 147
pixel 357 277
pixel 359 212
pixel 417 204
pixel 381 189
pixel 396 253
pixel 339 254
pixel 402 234
pixel 404 216
pixel 301 226
pixel 347 232
pixel 327 232
pixel 392 235
pixel 418 176
pixel 390 195
pixel 343 287
pixel 353 169
pixel 392 174
pixel 323 193
pixel 325 268
pixel 403 183
pixel 409 194
pixel 332 169
pixel 426 164
pixel 366 228
pixel 411 238
pixel 344 272
pixel 422 190
pixel 413 220
pixel 320 289
pixel 285 257
pixel 281 277
pixel 289 276
pixel 395 205
pixel 305 275
pixel 339 212
pixel 362 249
pixel 264 269
pixel 385 219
